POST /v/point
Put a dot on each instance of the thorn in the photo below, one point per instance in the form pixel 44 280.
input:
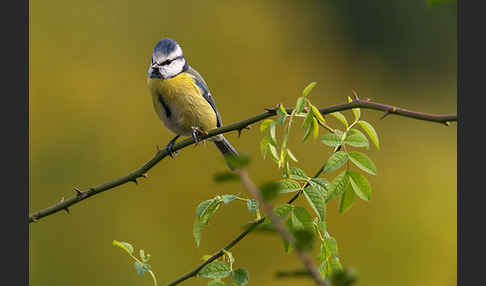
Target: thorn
pixel 78 192
pixel 67 210
pixel 135 181
pixel 62 200
pixel 242 128
pixel 447 123
pixel 355 94
pixel 158 148
pixel 386 114
pixel 273 110
pixel 144 175
pixel 367 99
pixel 34 219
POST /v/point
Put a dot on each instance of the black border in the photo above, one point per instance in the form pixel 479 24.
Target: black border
pixel 15 142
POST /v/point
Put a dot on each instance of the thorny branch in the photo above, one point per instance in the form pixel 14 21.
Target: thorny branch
pixel 161 154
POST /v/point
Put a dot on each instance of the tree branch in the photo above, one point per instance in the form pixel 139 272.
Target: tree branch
pixel 64 204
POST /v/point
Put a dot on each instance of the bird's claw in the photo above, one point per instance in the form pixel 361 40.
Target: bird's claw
pixel 196 132
pixel 168 148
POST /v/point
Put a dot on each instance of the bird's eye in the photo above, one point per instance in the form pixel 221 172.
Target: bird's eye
pixel 166 62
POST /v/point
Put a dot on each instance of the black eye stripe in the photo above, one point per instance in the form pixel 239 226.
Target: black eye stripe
pixel 166 62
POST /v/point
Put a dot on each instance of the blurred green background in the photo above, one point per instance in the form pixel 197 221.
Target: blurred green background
pixel 91 120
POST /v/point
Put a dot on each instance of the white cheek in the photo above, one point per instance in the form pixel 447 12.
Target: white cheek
pixel 173 69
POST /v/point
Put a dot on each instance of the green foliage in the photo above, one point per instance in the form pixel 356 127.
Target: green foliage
pixel 336 161
pixel 240 276
pixel 304 227
pixel 362 161
pixel 316 200
pixel 215 270
pixel 140 265
pixel 346 200
pixel 206 209
pixel 368 128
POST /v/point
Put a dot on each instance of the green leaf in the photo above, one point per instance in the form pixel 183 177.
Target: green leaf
pixel 315 128
pixel 360 185
pixel 308 125
pixel 336 161
pixel 124 245
pixel 210 210
pixel 282 109
pixel 346 200
pixel 273 152
pixel 265 124
pixel 288 186
pixel 141 268
pixel 357 140
pixel 216 282
pixel 273 130
pixel 291 155
pixel 264 146
pixel 225 177
pixel 301 219
pixel 215 270
pixel 331 245
pixel 240 276
pixel 228 198
pixel 314 196
pixel 345 277
pixel 270 190
pixel 297 174
pixel 334 265
pixel 304 239
pixel 287 246
pixel 196 231
pixel 331 139
pixel 356 111
pixel 252 205
pixel 339 184
pixel 323 268
pixel 362 161
pixel 202 207
pixel 299 106
pixel 308 88
pixel 371 132
pixel 321 184
pixel 321 226
pixel 142 255
pixel 317 113
pixel 282 210
pixel 340 117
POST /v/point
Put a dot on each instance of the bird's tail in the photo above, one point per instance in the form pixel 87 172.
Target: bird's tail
pixel 225 148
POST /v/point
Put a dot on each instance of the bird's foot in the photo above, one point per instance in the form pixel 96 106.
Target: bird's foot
pixel 196 133
pixel 169 146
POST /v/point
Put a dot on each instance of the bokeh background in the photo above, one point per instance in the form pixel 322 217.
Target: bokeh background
pixel 91 120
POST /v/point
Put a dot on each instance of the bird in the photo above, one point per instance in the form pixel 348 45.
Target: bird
pixel 181 98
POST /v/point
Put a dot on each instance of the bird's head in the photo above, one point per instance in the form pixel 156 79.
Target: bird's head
pixel 167 60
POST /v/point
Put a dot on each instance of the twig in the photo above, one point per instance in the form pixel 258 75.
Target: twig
pixel 162 153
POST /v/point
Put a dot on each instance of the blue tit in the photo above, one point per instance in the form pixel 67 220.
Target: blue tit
pixel 181 97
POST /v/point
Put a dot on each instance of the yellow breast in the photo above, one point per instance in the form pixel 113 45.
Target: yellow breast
pixel 185 107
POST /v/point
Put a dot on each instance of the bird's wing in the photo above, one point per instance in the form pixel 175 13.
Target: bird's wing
pixel 199 81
